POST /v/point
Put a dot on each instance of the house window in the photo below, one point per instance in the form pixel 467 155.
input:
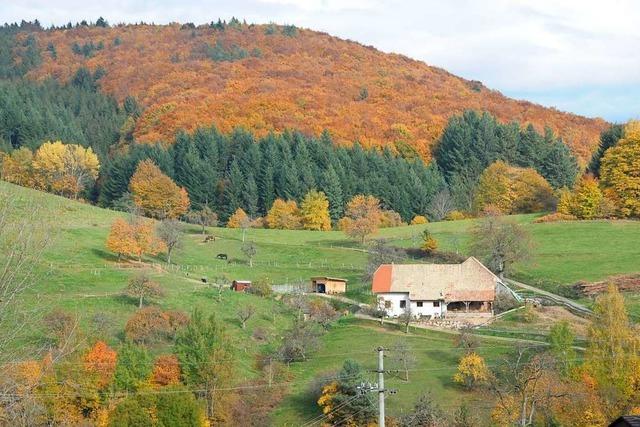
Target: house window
pixel 387 304
pixel 403 304
pixel 419 303
pixel 436 303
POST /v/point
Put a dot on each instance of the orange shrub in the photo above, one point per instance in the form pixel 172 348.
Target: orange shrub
pixel 166 370
pixel 101 360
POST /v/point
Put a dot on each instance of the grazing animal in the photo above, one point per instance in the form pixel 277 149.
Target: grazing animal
pixel 221 256
pixel 209 238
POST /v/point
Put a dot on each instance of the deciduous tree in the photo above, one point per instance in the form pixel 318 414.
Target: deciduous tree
pixel 101 361
pixel 341 399
pixel 513 190
pixel 17 167
pixel 620 171
pixel 244 313
pixel 314 211
pixel 156 194
pixel 472 371
pixel 170 233
pixel 141 286
pixel 500 242
pixel 283 215
pixel 204 217
pixel 65 168
pixel 613 355
pixel 362 217
pixel 166 370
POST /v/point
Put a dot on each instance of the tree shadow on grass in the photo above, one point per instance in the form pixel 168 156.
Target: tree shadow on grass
pixel 105 255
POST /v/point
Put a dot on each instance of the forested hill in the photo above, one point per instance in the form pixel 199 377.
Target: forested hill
pixel 268 77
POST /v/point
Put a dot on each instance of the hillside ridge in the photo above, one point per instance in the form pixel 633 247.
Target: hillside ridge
pixel 271 78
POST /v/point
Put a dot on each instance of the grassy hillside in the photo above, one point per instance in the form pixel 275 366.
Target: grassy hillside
pixel 270 78
pixel 80 276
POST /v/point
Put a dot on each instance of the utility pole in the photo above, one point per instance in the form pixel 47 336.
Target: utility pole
pixel 381 386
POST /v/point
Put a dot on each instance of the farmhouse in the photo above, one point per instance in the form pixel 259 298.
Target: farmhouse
pixel 328 285
pixel 435 290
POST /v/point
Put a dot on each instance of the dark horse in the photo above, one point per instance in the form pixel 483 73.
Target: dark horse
pixel 221 256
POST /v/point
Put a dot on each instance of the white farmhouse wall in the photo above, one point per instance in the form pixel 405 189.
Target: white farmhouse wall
pixel 390 301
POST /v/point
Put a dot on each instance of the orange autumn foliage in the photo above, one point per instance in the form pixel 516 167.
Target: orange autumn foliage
pixel 166 370
pixel 362 217
pixel 311 81
pixel 101 360
pixel 134 239
pixel 156 194
pixel 239 219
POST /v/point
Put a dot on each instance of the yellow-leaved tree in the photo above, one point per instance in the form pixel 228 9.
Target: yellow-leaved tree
pixel 283 215
pixel 314 211
pixel 472 371
pixel 65 169
pixel 513 190
pixel 17 167
pixel 612 364
pixel 620 172
pixel 156 194
pixel 587 198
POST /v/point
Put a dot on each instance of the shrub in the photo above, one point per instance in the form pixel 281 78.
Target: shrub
pixel 166 370
pixel 529 314
pixel 429 243
pixel 390 219
pixel 260 334
pixel 455 216
pixel 151 324
pixel 261 287
pixel 419 219
pixel 60 325
pixel 557 216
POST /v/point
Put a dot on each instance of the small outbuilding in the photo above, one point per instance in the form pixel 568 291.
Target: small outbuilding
pixel 328 285
pixel 240 285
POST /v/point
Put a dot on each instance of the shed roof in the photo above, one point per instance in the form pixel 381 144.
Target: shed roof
pixel 333 279
pixel 468 281
pixel 626 420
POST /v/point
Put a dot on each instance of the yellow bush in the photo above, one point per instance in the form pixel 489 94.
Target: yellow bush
pixel 419 219
pixel 455 216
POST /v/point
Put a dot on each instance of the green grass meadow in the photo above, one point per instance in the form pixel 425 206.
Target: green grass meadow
pixel 80 275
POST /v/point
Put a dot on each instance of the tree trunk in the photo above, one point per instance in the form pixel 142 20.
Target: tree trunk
pixel 169 255
pixel 140 302
pixel 250 262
